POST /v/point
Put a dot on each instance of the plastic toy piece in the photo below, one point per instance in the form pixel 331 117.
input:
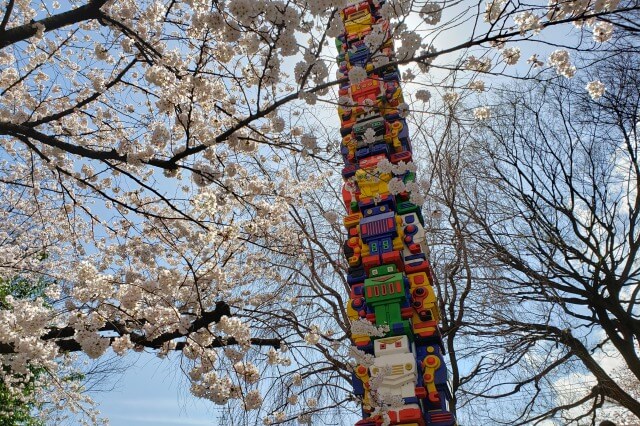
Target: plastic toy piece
pixel 430 364
pixel 383 270
pixel 434 377
pixel 394 117
pixel 381 239
pixel 352 249
pixel 379 422
pixel 362 373
pixel 358 56
pixel 371 185
pixel 352 220
pixel 356 309
pixel 358 386
pixel 406 207
pixel 350 199
pixel 374 227
pixel 414 235
pixel 371 162
pixel 416 263
pixel 376 123
pixel 387 294
pixel 440 418
pixel 358 303
pixel 355 275
pixel 406 311
pixel 341 43
pixel 370 205
pixel 393 135
pixel 426 315
pixel 393 91
pixel 357 19
pixel 405 156
pixel 408 414
pixel 351 144
pixel 382 251
pixel 370 89
pixel 396 365
pixel 371 261
pixel 388 271
pixel 349 118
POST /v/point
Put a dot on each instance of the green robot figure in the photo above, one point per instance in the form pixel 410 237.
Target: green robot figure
pixel 387 295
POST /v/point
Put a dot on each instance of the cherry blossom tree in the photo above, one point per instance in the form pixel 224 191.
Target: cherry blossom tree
pixel 14 409
pixel 166 169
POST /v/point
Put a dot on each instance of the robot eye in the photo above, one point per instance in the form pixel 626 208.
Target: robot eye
pixel 383 346
pixel 420 291
pixel 398 344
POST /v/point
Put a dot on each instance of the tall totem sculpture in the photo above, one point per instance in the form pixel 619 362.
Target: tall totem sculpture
pixel 389 274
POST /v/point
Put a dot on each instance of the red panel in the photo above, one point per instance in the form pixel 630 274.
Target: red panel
pixel 395 258
pixel 417 267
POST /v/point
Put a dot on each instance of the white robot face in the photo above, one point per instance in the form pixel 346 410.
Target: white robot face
pixel 391 346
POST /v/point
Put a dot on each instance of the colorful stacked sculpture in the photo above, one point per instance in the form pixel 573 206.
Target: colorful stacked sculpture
pixel 389 275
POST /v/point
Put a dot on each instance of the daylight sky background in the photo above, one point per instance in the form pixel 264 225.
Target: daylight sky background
pixel 154 391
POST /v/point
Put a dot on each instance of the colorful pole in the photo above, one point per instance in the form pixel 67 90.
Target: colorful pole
pixel 405 383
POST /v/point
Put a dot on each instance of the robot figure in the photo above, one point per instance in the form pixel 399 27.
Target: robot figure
pixel 387 295
pixel 393 354
pixel 398 369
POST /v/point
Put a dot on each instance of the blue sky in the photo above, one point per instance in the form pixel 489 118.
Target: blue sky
pixel 153 392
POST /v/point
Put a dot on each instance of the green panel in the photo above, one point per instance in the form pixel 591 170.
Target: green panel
pixel 379 271
pixel 390 314
pixel 384 295
pixel 410 177
pixel 406 207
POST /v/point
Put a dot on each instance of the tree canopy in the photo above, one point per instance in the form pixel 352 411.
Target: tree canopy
pixel 169 169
